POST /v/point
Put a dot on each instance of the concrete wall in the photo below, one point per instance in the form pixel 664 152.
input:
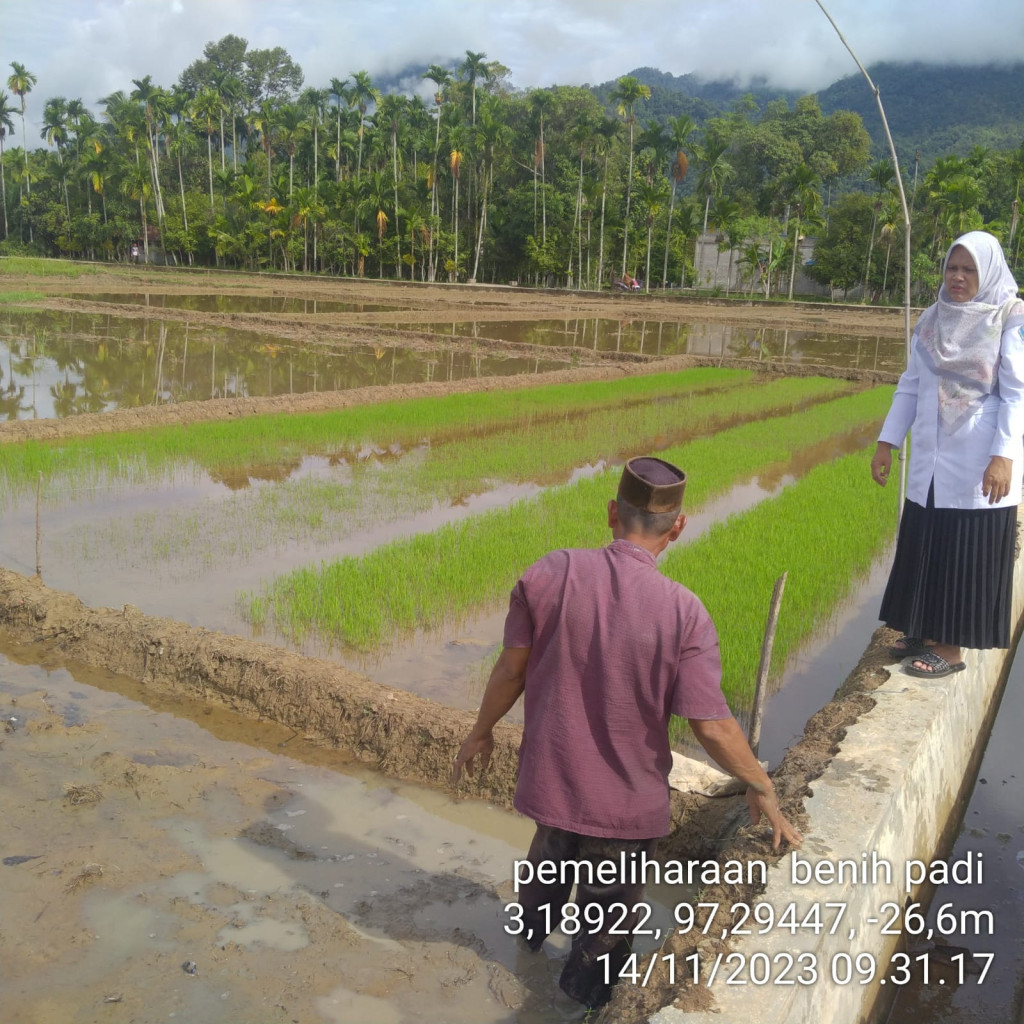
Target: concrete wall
pixel 890 791
pixel 713 270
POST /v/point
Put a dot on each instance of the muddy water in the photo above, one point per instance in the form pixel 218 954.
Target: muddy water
pixel 653 337
pixel 57 364
pixel 177 862
pixel 206 302
pixel 992 827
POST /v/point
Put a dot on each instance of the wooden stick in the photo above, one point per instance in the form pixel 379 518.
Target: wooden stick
pixel 39 526
pixel 761 691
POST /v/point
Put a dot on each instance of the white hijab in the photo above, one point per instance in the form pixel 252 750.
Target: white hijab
pixel 961 340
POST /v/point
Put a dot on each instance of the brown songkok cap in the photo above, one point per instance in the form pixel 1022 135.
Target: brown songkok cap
pixel 652 485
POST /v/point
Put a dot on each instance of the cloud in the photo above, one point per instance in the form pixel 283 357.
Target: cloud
pixel 90 48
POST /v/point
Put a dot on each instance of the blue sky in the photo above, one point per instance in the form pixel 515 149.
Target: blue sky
pixel 89 48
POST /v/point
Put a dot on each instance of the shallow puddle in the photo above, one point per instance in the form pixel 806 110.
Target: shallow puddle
pixel 57 364
pixel 156 868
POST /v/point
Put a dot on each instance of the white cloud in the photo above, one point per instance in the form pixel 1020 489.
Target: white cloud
pixel 89 48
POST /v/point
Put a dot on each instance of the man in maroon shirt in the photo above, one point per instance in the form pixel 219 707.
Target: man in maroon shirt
pixel 606 649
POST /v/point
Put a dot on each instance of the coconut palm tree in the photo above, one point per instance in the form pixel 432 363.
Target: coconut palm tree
pixel 627 93
pixel 20 82
pixel 540 101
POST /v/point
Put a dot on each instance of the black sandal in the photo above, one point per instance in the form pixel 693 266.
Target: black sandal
pixel 909 647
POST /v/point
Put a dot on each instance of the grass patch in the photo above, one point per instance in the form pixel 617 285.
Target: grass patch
pixel 12 298
pixel 35 266
pixel 422 581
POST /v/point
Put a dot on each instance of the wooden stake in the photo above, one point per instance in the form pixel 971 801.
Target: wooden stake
pixel 761 691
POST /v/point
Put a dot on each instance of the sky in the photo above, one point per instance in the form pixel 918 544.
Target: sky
pixel 89 48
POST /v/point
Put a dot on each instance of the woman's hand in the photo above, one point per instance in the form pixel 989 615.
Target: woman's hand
pixel 881 463
pixel 995 484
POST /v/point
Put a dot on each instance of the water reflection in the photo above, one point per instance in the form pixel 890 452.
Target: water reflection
pixel 656 337
pixel 208 303
pixel 58 364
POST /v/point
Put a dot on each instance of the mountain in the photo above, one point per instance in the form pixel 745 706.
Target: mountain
pixel 936 110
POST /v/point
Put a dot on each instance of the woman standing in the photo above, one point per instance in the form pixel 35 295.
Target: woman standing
pixel 962 398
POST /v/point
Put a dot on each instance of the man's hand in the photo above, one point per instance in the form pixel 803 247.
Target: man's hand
pixel 472 747
pixel 995 484
pixel 723 739
pixel 508 678
pixel 765 803
pixel 881 464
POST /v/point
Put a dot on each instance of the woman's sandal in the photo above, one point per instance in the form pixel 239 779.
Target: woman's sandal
pixel 937 666
pixel 908 646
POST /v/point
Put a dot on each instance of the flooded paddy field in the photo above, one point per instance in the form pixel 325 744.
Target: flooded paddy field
pixel 59 364
pixel 197 537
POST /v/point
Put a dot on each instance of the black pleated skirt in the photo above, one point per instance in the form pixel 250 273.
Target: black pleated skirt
pixel 952 576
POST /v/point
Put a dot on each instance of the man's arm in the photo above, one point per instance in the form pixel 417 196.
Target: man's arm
pixel 723 739
pixel 508 677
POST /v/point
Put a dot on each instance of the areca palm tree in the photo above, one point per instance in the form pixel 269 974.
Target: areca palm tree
pixel 627 93
pixel 20 82
pixel 540 101
pixel 6 125
pixel 679 130
pixel 715 171
pixel 805 201
pixel 491 132
pixel 206 110
pixel 55 132
pixel 441 77
pixel 339 92
pixel 473 68
pixel 389 116
pixel 361 96
pixel 651 198
pixel 881 174
pixel 154 101
pixel 606 133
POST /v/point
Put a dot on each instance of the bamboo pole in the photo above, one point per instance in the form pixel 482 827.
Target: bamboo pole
pixel 761 690
pixel 906 234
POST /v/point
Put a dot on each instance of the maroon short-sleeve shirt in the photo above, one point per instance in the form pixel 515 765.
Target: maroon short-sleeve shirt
pixel 616 647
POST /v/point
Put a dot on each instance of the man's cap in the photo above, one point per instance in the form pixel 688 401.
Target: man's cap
pixel 652 485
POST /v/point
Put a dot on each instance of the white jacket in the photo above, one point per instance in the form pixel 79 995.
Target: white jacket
pixel 957 461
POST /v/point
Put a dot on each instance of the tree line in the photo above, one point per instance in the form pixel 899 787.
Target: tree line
pixel 239 165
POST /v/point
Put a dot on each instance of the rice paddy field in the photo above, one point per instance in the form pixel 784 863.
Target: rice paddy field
pixel 387 535
pixel 359 473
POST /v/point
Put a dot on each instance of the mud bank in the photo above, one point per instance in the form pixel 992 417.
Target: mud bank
pixel 411 738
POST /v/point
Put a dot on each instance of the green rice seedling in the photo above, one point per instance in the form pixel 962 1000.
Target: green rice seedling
pixel 427 579
pixel 271 438
pixel 13 298
pixel 826 531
